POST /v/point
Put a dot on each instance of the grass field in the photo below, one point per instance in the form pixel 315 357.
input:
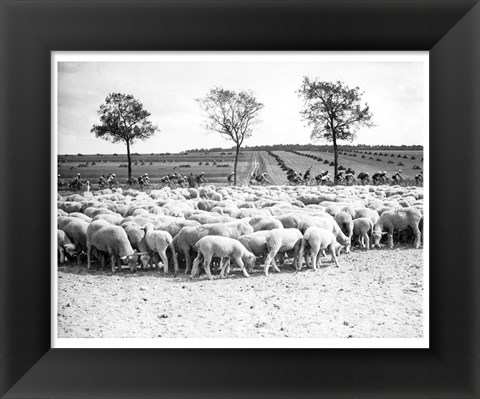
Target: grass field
pixel 218 165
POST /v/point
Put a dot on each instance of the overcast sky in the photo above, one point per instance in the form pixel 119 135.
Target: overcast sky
pixel 394 90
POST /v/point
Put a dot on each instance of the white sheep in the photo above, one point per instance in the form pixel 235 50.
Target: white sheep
pixel 317 240
pixel 64 245
pixel 76 230
pixel 136 236
pixel 225 248
pixel 362 228
pixel 398 220
pixel 112 240
pixel 157 243
pixel 283 240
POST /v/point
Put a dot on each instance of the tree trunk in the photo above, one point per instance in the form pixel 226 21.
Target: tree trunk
pixel 129 161
pixel 235 166
pixel 335 156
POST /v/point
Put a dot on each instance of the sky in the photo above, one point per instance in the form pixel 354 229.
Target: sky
pixel 168 85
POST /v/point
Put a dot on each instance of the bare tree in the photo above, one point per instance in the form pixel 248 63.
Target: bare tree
pixel 334 110
pixel 232 115
pixel 122 118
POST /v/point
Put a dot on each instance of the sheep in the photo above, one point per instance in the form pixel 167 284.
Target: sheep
pixel 76 230
pixel 81 216
pixel 113 219
pixel 188 236
pixel 157 242
pixel 225 248
pixel 331 225
pixel 70 207
pixel 367 213
pixel 345 222
pixel 256 243
pixel 282 240
pixel 265 223
pixel 92 212
pixel 174 227
pixel 136 236
pixel 64 244
pixel 399 220
pixel 362 228
pixel 112 240
pixel 317 239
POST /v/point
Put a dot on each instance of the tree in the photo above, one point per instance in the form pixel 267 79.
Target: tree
pixel 334 110
pixel 232 115
pixel 122 118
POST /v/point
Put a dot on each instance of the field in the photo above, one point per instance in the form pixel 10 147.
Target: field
pixel 373 294
pixel 218 165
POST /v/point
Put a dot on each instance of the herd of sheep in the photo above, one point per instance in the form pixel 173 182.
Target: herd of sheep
pixel 189 228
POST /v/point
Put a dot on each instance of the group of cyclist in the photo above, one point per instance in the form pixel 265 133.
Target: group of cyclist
pixel 343 176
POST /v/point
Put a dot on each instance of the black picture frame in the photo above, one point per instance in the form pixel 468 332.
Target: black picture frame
pixel 30 30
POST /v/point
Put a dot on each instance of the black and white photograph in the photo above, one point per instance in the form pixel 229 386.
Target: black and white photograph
pixel 240 199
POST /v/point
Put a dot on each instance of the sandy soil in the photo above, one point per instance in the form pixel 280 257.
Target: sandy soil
pixel 378 293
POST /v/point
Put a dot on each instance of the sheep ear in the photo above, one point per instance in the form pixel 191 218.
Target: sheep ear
pixel 384 232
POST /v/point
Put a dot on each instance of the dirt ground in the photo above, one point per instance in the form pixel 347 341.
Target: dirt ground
pixel 378 293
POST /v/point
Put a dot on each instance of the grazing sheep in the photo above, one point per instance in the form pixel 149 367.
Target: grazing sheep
pixel 282 240
pixel 225 248
pixel 112 240
pixel 76 230
pixel 157 243
pixel 81 216
pixel 367 213
pixel 317 240
pixel 398 220
pixel 70 207
pixel 345 222
pixel 265 223
pixel 64 244
pixel 362 228
pixel 136 236
pixel 256 243
pixel 331 225
pixel 113 219
pixel 174 227
pixel 92 212
pixel 188 236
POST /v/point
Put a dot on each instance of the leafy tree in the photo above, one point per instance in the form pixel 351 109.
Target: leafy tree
pixel 122 118
pixel 334 110
pixel 232 115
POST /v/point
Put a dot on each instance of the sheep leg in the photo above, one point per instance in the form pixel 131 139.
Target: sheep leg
pixel 206 266
pixel 240 263
pixel 319 260
pixel 188 261
pixel 332 252
pixel 367 241
pixel 275 266
pixel 418 236
pixel 174 258
pixel 112 263
pixel 270 256
pixel 301 256
pixel 196 263
pixel 62 254
pixel 89 256
pixel 163 255
pixel 78 257
pixel 390 239
pixel 223 267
